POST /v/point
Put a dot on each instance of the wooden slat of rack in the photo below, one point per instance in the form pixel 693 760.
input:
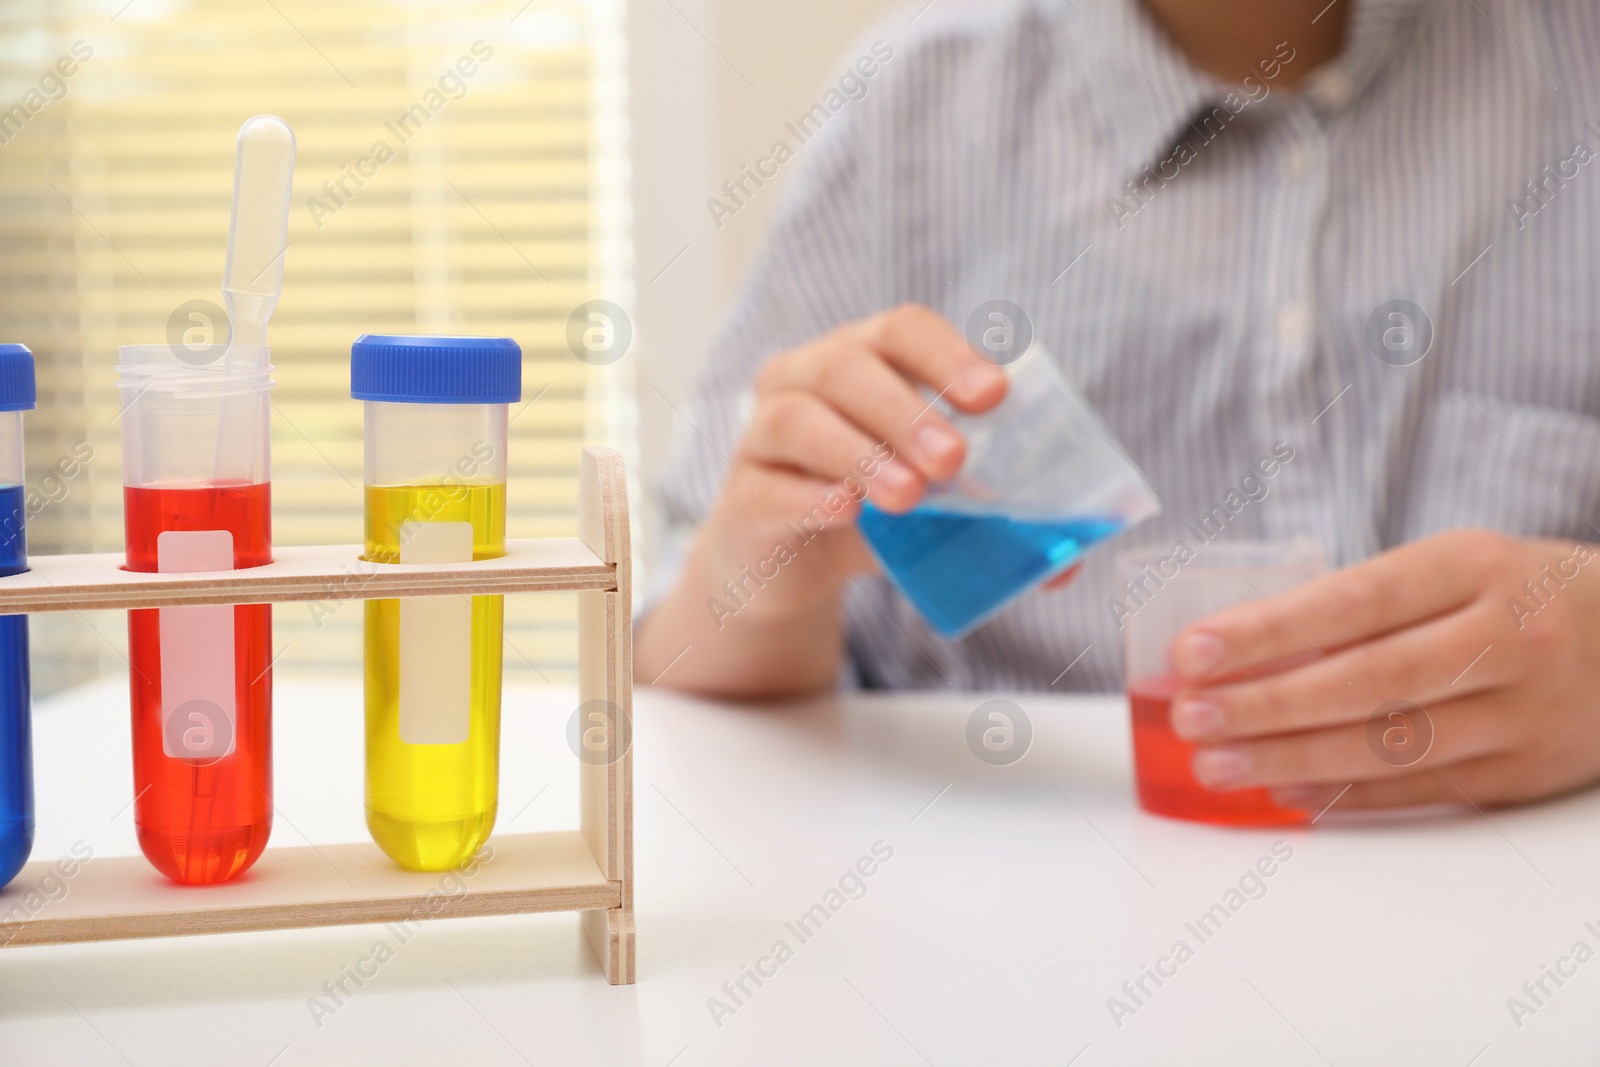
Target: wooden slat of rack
pixel 324 572
pixel 122 897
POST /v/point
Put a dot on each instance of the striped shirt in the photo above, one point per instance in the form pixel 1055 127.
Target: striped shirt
pixel 1217 269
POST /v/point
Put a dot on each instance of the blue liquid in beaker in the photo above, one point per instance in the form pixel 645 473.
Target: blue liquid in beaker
pixel 959 568
pixel 16 748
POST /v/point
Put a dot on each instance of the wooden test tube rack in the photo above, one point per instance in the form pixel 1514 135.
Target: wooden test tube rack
pixel 589 869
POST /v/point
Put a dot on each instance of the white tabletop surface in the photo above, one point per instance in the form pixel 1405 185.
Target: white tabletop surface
pixel 1017 901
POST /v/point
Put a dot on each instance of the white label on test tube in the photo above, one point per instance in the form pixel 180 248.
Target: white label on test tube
pixel 198 700
pixel 435 642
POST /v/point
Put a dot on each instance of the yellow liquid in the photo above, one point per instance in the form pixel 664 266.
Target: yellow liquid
pixel 430 807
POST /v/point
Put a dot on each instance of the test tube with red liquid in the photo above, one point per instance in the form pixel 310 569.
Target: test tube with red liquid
pixel 1165 591
pixel 197 497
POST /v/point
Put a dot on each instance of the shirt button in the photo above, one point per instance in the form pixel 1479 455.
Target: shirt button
pixel 1296 162
pixel 1332 89
pixel 1294 324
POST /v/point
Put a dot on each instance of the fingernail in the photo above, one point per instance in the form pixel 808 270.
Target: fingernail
pixel 1198 653
pixel 896 475
pixel 1217 768
pixel 938 443
pixel 1295 796
pixel 1194 719
pixel 980 378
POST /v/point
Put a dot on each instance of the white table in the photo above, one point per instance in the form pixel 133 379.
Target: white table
pixel 1017 901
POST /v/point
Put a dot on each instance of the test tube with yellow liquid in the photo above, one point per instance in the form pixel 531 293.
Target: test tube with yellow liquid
pixel 436 420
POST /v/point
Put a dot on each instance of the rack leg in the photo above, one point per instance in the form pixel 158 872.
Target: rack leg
pixel 610 937
pixel 605 689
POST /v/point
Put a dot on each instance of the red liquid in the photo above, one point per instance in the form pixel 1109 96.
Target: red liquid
pixel 1166 782
pixel 203 821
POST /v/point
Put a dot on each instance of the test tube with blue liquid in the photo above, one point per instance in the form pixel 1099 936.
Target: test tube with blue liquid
pixel 16 742
pixel 1043 483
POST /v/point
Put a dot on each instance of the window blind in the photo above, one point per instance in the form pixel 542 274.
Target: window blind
pixel 460 170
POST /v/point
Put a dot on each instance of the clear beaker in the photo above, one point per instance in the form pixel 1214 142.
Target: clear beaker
pixel 1164 590
pixel 1044 481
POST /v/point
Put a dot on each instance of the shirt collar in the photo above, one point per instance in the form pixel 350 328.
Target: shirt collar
pixel 1141 90
pixel 1144 93
pixel 1377 29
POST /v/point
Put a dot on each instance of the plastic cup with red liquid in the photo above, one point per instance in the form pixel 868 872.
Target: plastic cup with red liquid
pixel 1166 595
pixel 197 497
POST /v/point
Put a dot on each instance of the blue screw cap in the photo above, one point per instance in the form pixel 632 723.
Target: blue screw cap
pixel 419 369
pixel 17 391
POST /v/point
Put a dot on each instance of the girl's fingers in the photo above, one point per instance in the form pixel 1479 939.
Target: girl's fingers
pixel 1423 664
pixel 1478 784
pixel 1403 587
pixel 786 494
pixel 1454 732
pixel 798 430
pixel 922 345
pixel 1425 787
pixel 878 400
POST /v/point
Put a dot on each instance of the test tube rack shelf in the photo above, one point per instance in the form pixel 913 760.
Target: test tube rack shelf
pixel 589 870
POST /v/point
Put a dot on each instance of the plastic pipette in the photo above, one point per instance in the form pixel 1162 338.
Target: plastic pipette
pixel 258 232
